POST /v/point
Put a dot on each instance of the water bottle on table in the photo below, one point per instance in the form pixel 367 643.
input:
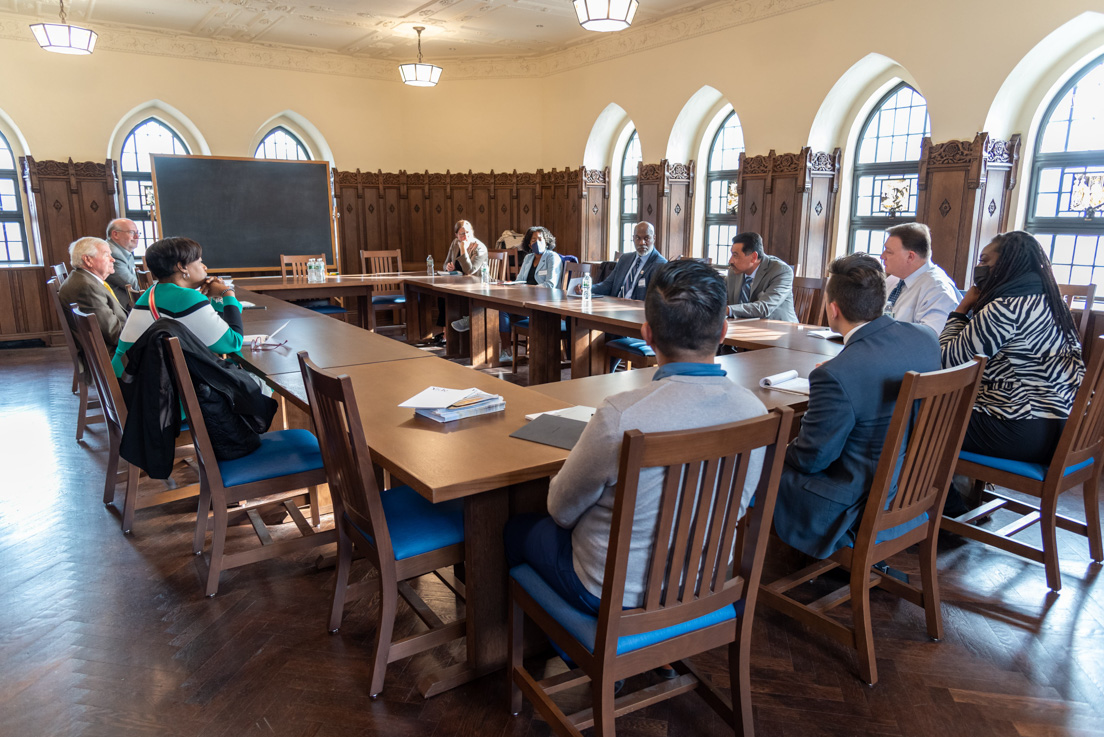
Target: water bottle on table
pixel 586 287
pixel 429 264
pixel 484 274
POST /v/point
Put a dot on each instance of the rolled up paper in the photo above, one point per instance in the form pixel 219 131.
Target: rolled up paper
pixel 769 381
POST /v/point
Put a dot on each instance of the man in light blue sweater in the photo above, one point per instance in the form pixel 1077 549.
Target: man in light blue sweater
pixel 685 312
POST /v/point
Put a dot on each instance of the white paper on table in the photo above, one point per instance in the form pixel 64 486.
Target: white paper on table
pixel 826 334
pixel 579 412
pixel 259 340
pixel 787 381
pixel 574 282
pixel 437 397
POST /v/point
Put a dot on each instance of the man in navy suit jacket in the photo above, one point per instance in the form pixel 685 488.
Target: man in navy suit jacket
pixel 830 466
pixel 636 267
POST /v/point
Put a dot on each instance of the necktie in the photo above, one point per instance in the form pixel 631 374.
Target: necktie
pixel 745 290
pixel 895 293
pixel 110 291
pixel 630 279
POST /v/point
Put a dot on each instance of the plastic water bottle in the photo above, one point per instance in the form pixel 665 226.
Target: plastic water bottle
pixel 484 274
pixel 429 264
pixel 586 287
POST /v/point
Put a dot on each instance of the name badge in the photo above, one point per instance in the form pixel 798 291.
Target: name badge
pixel 641 283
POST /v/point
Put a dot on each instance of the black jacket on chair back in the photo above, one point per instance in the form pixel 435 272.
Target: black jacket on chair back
pixel 235 410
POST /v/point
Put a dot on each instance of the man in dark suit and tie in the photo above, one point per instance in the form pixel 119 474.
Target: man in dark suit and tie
pixel 758 285
pixel 633 273
pixel 92 263
pixel 830 466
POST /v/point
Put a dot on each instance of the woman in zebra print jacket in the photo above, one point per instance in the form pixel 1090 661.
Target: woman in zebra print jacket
pixel 1035 366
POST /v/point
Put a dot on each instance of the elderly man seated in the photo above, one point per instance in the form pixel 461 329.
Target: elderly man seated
pixel 87 287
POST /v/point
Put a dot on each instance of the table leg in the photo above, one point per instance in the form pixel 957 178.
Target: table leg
pixel 364 307
pixel 544 347
pixel 588 354
pixel 485 341
pixel 455 308
pixel 419 315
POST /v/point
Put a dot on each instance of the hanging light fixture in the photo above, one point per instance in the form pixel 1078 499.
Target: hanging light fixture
pixel 605 16
pixel 421 75
pixel 63 38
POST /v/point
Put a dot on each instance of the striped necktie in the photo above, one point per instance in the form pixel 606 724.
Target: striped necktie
pixel 630 279
pixel 745 290
pixel 895 293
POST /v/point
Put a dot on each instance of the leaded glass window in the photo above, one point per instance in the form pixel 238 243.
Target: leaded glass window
pixel 13 236
pixel 630 192
pixel 887 167
pixel 280 143
pixel 1066 206
pixel 722 204
pixel 151 136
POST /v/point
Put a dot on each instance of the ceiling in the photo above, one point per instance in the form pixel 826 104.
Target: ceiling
pixel 380 29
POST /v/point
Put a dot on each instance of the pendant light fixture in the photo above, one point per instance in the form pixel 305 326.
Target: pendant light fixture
pixel 605 16
pixel 62 38
pixel 419 74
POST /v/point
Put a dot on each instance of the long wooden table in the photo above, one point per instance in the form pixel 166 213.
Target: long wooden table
pixel 297 287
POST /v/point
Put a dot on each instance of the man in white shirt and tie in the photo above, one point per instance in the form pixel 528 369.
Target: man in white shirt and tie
pixel 919 291
pixel 634 270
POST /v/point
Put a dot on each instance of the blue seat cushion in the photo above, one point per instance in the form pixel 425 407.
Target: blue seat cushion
pixel 583 626
pixel 1035 471
pixel 328 309
pixel 389 299
pixel 632 345
pixel 282 453
pixel 311 304
pixel 417 525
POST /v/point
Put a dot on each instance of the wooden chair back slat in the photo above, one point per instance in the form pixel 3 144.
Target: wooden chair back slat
pixel 61 272
pixel 513 263
pixel 99 366
pixel 496 265
pixel 929 421
pixel 1084 431
pixel 383 262
pixel 572 270
pixel 297 265
pixel 808 295
pixel 1087 292
pixel 697 534
pixel 204 451
pixel 145 279
pixel 65 320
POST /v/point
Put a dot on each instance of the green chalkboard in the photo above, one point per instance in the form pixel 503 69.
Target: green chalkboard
pixel 245 212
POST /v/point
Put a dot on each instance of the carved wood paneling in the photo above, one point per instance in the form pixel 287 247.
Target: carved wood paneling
pixel 965 190
pixel 790 199
pixel 24 311
pixel 666 192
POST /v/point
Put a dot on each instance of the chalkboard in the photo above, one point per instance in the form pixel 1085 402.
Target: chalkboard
pixel 245 212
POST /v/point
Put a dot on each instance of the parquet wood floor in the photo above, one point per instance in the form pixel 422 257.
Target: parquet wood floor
pixel 106 634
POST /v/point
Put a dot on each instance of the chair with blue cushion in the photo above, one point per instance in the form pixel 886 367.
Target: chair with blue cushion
pixel 386 297
pixel 297 265
pixel 94 351
pixel 270 479
pixel 701 586
pixel 928 424
pixel 1077 462
pixel 400 532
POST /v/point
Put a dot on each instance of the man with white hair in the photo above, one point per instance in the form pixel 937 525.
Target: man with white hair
pixel 122 237
pixel 87 286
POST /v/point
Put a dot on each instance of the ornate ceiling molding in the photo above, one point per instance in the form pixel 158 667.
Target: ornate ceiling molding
pixel 691 24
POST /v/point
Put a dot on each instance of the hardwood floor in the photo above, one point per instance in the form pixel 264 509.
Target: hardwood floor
pixel 106 634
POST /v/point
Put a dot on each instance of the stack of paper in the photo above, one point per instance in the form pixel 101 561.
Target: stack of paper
pixel 445 405
pixel 787 381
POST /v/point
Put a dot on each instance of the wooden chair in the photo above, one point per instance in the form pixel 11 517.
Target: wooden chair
pixel 87 402
pixel 297 265
pixel 633 351
pixel 513 263
pixel 61 271
pixel 1077 462
pixel 497 266
pixel 145 279
pixel 939 404
pixel 389 297
pixel 114 409
pixel 692 587
pixel 272 476
pixel 808 297
pixel 1087 292
pixel 134 294
pixel 519 330
pixel 403 535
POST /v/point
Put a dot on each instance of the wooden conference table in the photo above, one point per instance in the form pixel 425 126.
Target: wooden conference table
pixel 297 287
pixel 474 459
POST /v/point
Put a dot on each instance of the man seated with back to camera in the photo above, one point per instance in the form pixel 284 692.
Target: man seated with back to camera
pixel 685 321
pixel 831 464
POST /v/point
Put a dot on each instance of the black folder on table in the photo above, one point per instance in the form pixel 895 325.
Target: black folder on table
pixel 560 432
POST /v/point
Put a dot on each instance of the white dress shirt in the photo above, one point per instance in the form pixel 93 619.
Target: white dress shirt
pixel 928 297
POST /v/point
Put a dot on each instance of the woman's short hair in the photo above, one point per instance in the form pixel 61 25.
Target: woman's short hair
pixel 856 283
pixel 82 247
pixel 1019 253
pixel 549 239
pixel 163 256
pixel 685 307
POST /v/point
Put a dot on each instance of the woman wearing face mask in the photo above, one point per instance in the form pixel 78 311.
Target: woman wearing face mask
pixel 1015 316
pixel 540 267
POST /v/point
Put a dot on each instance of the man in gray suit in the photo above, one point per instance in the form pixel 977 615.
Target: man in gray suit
pixel 87 287
pixel 758 285
pixel 122 237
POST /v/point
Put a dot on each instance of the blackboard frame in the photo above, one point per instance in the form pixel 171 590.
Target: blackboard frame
pixel 213 199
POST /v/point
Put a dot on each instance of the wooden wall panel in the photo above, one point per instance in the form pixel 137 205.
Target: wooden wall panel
pixel 25 312
pixel 666 200
pixel 595 231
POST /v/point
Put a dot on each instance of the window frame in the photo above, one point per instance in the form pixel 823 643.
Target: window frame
pixel 904 169
pixel 724 219
pixel 14 216
pixel 1053 227
pixel 142 218
pixel 628 219
pixel 300 146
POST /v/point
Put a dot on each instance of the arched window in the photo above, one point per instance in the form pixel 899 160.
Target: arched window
pixel 887 167
pixel 280 143
pixel 630 191
pixel 720 181
pixel 13 237
pixel 151 136
pixel 1066 207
